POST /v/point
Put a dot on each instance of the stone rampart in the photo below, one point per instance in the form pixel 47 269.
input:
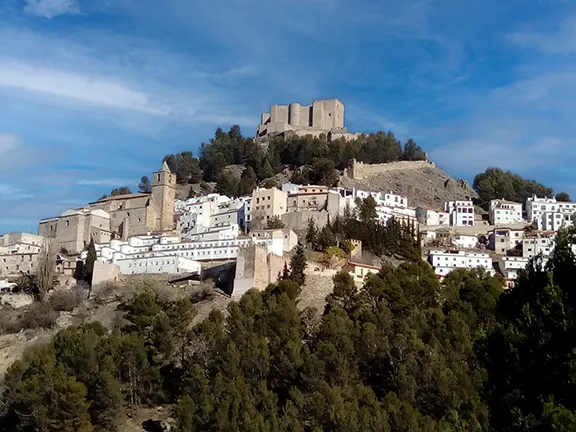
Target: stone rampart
pixel 256 268
pixel 360 170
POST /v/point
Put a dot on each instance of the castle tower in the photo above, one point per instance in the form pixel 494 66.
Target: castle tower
pixel 163 197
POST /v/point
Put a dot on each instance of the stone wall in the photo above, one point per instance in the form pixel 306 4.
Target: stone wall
pixel 359 170
pixel 105 273
pixel 299 220
pixel 256 268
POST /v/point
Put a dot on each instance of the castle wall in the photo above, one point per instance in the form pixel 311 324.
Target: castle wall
pixel 105 273
pixel 256 268
pixel 359 170
pixel 299 220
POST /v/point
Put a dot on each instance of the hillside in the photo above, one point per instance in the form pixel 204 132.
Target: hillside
pixel 427 187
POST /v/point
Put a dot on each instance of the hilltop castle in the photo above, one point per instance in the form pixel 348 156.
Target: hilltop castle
pixel 121 215
pixel 324 116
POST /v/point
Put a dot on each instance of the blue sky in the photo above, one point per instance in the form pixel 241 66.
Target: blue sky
pixel 94 92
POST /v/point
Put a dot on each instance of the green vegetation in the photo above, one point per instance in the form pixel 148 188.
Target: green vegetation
pixel 402 353
pixel 319 159
pixel 563 196
pixel 392 238
pixel 495 183
pixel 275 222
pixel 144 186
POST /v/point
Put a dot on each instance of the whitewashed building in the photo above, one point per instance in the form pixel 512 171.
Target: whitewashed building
pixel 465 241
pixel 141 249
pixel 510 266
pixel 156 263
pixel 538 243
pixel 444 261
pixel 432 217
pixel 503 212
pixel 460 213
pixel 549 214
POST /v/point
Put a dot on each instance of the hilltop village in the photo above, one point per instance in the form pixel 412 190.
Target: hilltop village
pixel 306 279
pixel 155 233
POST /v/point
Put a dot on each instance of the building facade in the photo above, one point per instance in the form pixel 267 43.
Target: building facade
pixel 267 203
pixel 460 213
pixel 504 212
pixel 445 261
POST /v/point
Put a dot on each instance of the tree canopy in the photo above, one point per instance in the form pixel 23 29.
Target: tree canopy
pixel 319 158
pixel 496 183
pixel 400 352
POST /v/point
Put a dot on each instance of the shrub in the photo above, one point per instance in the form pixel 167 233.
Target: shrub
pixel 347 246
pixel 335 252
pixel 38 315
pixel 65 300
pixel 102 292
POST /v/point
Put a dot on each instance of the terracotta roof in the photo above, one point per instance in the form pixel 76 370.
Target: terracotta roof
pixel 122 197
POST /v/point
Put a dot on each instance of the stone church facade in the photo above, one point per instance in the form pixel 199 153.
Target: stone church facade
pixel 119 216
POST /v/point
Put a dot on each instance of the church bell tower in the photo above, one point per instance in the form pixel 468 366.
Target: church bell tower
pixel 163 197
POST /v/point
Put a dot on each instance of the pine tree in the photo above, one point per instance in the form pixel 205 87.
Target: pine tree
pixel 145 186
pixel 298 264
pixel 88 269
pixel 312 235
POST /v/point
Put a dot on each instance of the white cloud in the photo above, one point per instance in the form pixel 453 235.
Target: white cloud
pixel 51 8
pixel 78 86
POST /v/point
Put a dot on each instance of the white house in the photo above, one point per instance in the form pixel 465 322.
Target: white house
pixel 503 212
pixel 444 261
pixel 461 213
pixel 549 214
pixel 510 266
pixel 538 243
pixel 465 241
pixel 431 217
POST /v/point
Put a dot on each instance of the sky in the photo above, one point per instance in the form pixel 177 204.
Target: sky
pixel 93 93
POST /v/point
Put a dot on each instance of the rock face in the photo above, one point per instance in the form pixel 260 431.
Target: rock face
pixel 427 187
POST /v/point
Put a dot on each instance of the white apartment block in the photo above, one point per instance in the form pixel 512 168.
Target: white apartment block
pixel 444 261
pixel 212 210
pixel 223 232
pixel 461 213
pixel 432 217
pixel 549 214
pixel 503 212
pixel 539 243
pixel 510 266
pixel 132 255
pixel 156 263
pixel 385 213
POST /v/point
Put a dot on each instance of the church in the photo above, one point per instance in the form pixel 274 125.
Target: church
pixel 119 216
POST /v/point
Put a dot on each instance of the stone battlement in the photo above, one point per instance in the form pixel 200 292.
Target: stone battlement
pixel 360 170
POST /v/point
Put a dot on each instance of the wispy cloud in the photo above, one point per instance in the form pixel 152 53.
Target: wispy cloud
pixel 9 192
pixel 560 41
pixel 85 88
pixel 51 8
pixel 106 182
